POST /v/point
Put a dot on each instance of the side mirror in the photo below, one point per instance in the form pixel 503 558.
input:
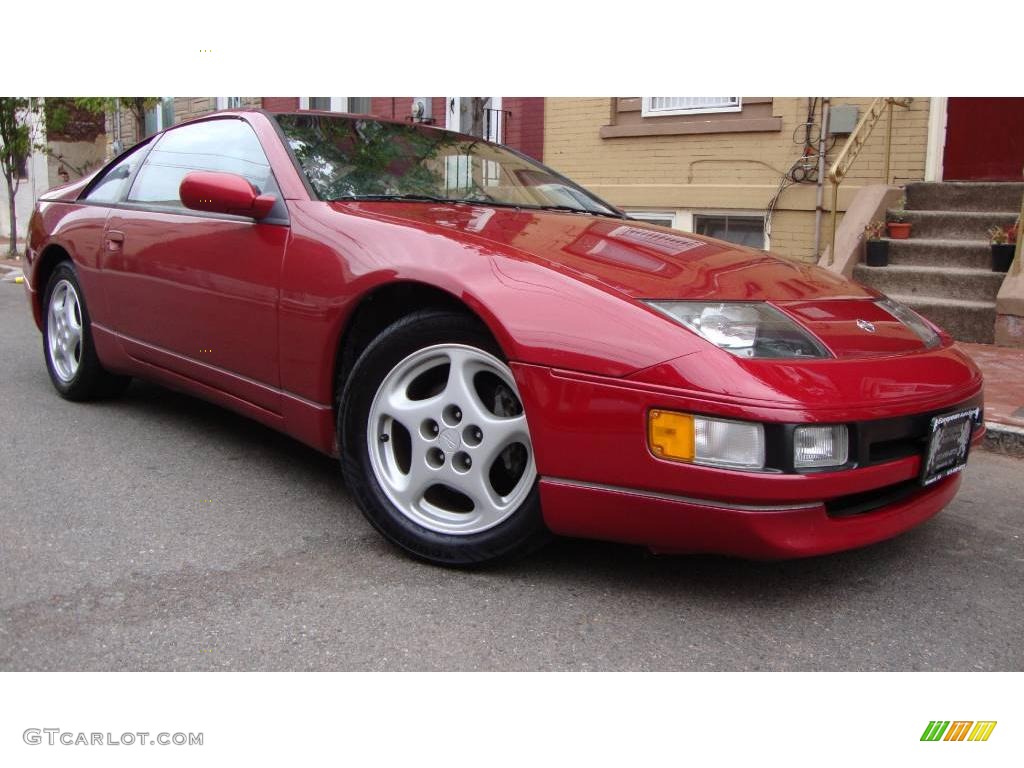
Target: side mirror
pixel 230 193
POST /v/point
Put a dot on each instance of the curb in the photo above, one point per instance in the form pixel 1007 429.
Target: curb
pixel 1004 438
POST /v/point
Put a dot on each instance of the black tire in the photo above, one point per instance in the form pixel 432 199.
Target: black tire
pixel 522 532
pixel 90 380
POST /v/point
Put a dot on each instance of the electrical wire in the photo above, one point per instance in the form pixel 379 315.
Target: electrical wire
pixel 804 169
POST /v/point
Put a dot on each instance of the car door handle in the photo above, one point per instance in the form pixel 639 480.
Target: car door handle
pixel 114 240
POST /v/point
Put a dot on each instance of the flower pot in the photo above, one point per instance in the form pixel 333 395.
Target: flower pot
pixel 877 253
pixel 1002 256
pixel 898 230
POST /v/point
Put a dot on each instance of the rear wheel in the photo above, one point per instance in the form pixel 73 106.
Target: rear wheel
pixel 436 446
pixel 71 359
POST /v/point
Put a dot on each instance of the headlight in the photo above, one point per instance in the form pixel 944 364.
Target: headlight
pixel 703 440
pixel 745 330
pixel 815 446
pixel 913 321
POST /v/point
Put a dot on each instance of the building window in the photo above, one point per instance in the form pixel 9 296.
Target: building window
pixel 229 102
pixel 359 105
pixel 661 218
pixel 742 230
pixel 161 116
pixel 659 106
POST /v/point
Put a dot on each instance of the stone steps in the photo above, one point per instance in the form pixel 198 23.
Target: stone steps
pixel 965 196
pixel 931 282
pixel 962 319
pixel 955 225
pixel 923 252
pixel 944 269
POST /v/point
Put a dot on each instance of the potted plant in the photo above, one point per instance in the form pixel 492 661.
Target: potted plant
pixel 1004 242
pixel 876 249
pixel 899 227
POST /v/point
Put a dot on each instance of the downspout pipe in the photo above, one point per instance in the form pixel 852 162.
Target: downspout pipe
pixel 819 198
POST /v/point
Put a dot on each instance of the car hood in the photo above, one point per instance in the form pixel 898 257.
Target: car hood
pixel 645 261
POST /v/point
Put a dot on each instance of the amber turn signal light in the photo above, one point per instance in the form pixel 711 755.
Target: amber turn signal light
pixel 670 435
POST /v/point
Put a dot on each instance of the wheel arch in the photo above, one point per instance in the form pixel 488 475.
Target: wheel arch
pixel 384 304
pixel 47 261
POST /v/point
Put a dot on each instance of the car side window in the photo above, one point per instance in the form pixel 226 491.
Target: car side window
pixel 111 187
pixel 227 145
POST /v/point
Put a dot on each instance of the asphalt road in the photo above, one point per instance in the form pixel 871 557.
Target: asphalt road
pixel 158 532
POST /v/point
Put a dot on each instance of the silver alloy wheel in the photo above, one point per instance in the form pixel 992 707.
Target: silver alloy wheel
pixel 449 458
pixel 64 330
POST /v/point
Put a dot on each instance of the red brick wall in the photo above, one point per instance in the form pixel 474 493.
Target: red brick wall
pixel 400 107
pixel 281 103
pixel 438 107
pixel 524 128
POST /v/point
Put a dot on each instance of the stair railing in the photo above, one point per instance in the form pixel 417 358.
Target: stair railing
pixel 1018 252
pixel 880 107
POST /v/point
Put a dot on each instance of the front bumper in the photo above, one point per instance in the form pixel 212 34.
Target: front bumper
pixel 676 525
pixel 601 481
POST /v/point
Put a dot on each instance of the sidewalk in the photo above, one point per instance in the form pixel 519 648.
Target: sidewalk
pixel 1004 395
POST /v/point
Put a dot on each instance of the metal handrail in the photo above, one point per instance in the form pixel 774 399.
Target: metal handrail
pixel 880 107
pixel 1018 252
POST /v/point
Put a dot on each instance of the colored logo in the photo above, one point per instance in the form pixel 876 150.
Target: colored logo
pixel 958 730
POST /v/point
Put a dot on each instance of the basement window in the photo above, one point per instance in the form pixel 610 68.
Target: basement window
pixel 661 218
pixel 741 230
pixel 663 106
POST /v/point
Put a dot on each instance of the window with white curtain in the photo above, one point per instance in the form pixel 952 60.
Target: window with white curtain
pixel 657 106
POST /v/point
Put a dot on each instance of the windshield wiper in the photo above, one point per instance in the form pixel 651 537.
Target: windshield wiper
pixel 469 201
pixel 426 198
pixel 571 209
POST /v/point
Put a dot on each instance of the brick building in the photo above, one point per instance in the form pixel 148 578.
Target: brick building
pixel 515 121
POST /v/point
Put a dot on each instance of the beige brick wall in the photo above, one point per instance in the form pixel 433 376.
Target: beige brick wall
pixel 721 171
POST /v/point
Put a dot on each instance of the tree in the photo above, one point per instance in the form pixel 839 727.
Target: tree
pixel 20 117
pixel 137 106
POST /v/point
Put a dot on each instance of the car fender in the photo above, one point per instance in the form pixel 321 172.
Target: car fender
pixel 537 315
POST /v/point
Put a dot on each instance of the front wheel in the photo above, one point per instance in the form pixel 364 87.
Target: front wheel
pixel 436 446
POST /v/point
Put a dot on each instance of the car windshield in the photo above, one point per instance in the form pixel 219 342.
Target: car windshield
pixel 346 158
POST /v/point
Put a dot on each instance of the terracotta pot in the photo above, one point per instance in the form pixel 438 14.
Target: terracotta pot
pixel 1002 256
pixel 898 230
pixel 876 253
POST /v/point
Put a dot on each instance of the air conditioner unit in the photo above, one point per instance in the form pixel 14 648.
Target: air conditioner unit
pixel 421 109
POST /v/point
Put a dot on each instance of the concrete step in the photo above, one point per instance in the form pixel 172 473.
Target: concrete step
pixel 955 225
pixel 965 196
pixel 963 320
pixel 923 252
pixel 933 282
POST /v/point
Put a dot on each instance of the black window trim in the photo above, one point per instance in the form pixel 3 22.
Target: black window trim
pixel 123 203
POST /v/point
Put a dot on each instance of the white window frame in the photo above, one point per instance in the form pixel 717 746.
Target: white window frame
pixel 223 102
pixel 338 103
pixel 686 219
pixel 683 218
pixel 647 108
pixel 654 215
pixel 158 111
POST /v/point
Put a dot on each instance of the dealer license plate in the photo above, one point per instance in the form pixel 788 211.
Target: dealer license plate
pixel 948 443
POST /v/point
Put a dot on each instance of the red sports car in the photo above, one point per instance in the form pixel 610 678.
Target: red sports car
pixel 494 353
